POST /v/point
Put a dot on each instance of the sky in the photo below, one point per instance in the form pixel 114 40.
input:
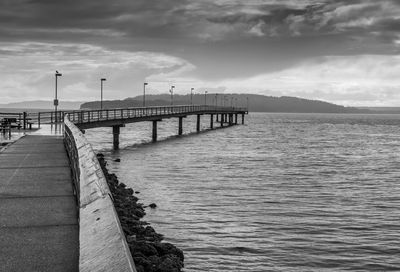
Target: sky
pixel 341 51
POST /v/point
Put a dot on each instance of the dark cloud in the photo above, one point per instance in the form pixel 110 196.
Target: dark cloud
pixel 191 19
pixel 145 18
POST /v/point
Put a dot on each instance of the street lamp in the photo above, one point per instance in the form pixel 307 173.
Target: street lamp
pixel 172 94
pixel 56 100
pixel 205 98
pixel 216 100
pixel 191 96
pixel 144 94
pixel 101 93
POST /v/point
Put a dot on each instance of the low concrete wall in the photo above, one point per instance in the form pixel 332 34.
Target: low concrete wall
pixel 101 240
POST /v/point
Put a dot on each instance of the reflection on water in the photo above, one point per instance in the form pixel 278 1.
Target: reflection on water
pixel 285 192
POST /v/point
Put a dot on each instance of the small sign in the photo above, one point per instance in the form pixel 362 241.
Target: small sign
pixel 55 102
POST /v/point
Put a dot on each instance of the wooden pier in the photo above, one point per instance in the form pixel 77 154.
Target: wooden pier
pixel 117 118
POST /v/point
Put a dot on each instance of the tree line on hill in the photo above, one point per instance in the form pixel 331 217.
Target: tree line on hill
pixel 255 103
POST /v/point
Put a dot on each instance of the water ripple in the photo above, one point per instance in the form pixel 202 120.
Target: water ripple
pixel 286 192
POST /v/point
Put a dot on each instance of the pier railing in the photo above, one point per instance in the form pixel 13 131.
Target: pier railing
pixel 87 116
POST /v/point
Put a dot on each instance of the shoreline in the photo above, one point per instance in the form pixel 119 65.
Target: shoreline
pixel 148 251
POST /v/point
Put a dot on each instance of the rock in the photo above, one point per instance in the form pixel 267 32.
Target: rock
pixel 130 239
pixel 139 213
pixel 140 261
pixel 153 205
pixel 137 192
pixel 169 249
pixel 169 263
pixel 117 160
pixel 129 191
pixel 146 249
pixel 139 268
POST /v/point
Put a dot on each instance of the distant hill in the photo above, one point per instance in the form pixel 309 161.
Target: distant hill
pixel 256 103
pixel 42 104
pixel 388 110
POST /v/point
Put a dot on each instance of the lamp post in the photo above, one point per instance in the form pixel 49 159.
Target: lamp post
pixel 191 96
pixel 144 94
pixel 205 98
pixel 101 92
pixel 56 99
pixel 172 94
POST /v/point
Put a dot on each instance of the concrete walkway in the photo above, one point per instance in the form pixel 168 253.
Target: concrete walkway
pixel 39 228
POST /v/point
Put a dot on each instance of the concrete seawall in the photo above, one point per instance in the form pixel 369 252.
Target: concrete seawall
pixel 102 244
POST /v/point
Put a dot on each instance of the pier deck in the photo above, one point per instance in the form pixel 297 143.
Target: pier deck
pixel 39 228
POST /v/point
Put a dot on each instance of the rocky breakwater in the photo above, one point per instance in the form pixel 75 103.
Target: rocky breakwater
pixel 148 251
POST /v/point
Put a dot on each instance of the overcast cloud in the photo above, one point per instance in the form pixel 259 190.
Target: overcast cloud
pixel 344 52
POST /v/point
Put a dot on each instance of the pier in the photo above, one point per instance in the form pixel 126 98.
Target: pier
pixel 56 211
pixel 118 118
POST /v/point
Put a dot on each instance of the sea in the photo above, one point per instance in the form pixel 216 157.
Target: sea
pixel 283 192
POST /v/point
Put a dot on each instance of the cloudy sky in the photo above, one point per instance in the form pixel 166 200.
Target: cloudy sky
pixel 340 51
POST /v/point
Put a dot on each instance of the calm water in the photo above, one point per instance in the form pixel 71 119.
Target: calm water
pixel 285 192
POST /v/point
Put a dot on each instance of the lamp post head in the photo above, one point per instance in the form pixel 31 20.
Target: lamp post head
pixel 58 74
pixel 192 89
pixel 145 83
pixel 103 79
pixel 172 87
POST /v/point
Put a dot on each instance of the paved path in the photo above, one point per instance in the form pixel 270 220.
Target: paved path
pixel 39 228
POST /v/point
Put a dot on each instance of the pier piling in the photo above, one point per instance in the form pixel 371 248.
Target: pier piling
pixel 211 121
pixel 116 131
pixel 180 126
pixel 154 130
pixel 198 123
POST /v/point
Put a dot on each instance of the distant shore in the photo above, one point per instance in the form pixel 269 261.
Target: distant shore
pixel 254 102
